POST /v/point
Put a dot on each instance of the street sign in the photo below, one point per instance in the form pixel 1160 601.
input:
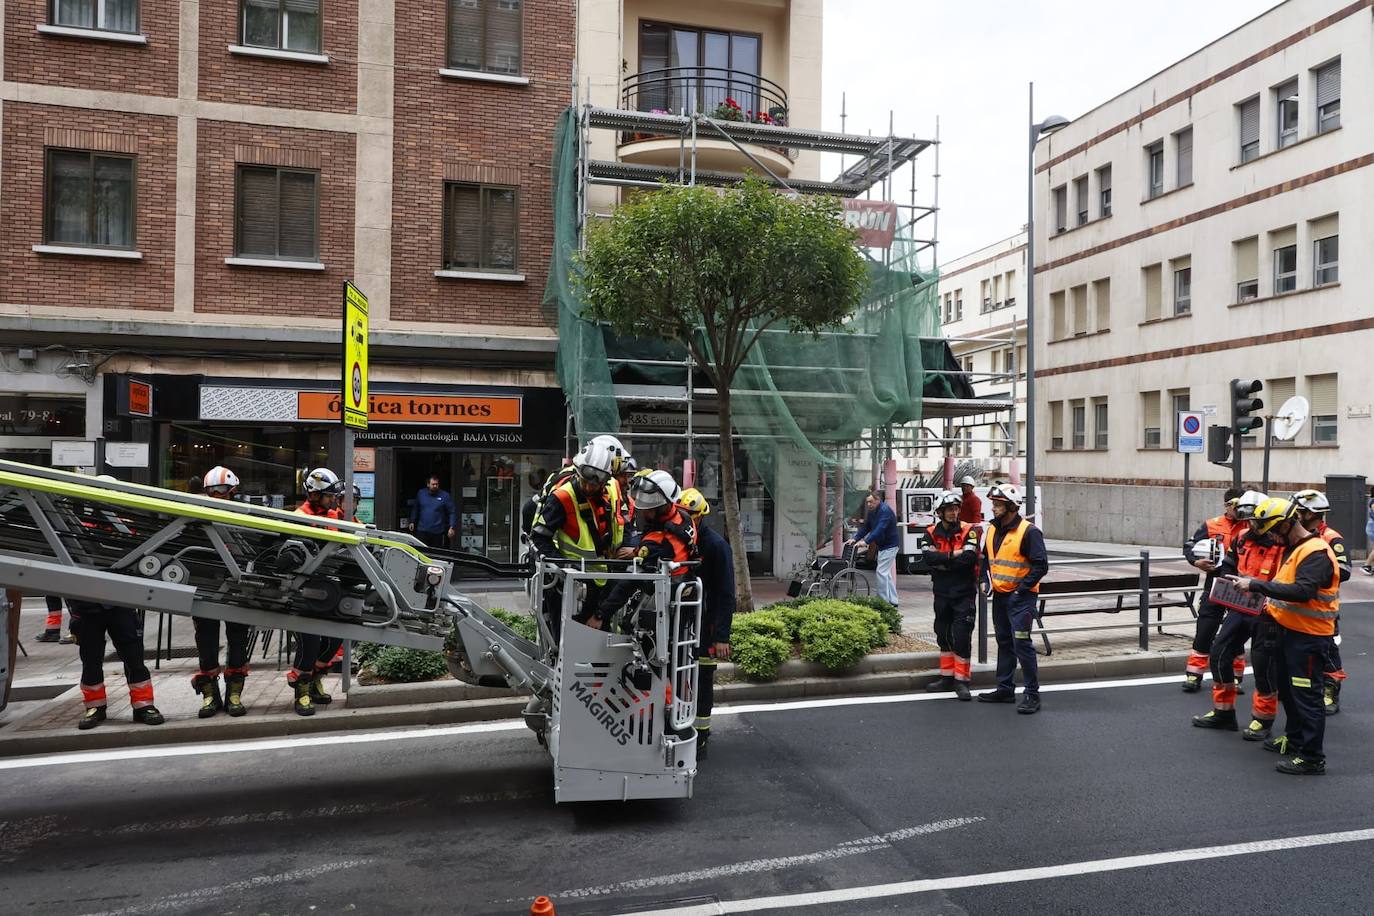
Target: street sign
pixel 355 358
pixel 1208 410
pixel 1190 434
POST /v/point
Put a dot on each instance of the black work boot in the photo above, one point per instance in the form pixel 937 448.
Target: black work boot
pixel 317 694
pixel 1192 683
pixel 703 741
pixel 1240 687
pixel 53 634
pixel 148 715
pixel 1301 766
pixel 1332 697
pixel 302 704
pixel 1223 719
pixel 207 685
pixel 233 695
pixel 961 691
pixel 92 717
pixel 1029 705
pixel 943 685
pixel 997 696
pixel 1257 730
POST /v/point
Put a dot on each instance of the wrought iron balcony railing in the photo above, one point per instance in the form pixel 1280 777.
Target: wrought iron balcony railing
pixel 725 95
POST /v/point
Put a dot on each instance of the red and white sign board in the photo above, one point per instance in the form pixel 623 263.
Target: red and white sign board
pixel 874 220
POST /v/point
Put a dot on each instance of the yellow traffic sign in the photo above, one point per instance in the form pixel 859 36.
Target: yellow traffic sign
pixel 355 357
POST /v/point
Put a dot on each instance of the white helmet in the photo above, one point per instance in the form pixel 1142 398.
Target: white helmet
pixel 948 498
pixel 595 463
pixel 1246 504
pixel 654 489
pixel 219 479
pixel 1006 491
pixel 322 480
pixel 619 453
pixel 1209 549
pixel 1312 501
pixel 969 481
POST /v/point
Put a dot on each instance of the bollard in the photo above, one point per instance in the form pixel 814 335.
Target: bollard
pixel 1144 601
pixel 542 906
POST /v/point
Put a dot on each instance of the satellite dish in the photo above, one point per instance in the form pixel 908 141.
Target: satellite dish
pixel 1291 418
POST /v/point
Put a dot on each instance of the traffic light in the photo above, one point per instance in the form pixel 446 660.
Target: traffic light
pixel 1244 405
pixel 1218 444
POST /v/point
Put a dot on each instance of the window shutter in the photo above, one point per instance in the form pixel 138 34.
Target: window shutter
pixel 503 35
pixel 1249 121
pixel 1185 158
pixel 1057 419
pixel 1321 392
pixel 462 227
pixel 1278 391
pixel 499 232
pixel 299 229
pixel 1247 259
pixel 465 34
pixel 257 216
pixel 1329 83
pixel 1150 409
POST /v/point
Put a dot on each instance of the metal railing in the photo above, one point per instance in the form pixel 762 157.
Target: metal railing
pixel 1142 590
pixel 716 92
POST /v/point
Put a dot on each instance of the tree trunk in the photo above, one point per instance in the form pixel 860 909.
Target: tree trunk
pixel 734 531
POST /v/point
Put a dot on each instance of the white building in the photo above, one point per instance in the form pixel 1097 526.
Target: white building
pixel 1189 231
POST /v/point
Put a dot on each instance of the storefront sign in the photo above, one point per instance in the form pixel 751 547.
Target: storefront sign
pixel 874 220
pixel 446 410
pixel 25 415
pixel 356 413
pixel 140 399
pixel 126 454
pixel 73 453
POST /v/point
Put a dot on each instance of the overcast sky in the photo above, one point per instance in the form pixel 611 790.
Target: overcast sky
pixel 968 61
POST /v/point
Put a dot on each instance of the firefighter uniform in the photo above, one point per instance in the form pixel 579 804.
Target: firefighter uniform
pixel 1335 670
pixel 1016 561
pixel 572 525
pixel 672 538
pixel 313 653
pixel 951 555
pixel 717 572
pixel 1209 615
pixel 120 624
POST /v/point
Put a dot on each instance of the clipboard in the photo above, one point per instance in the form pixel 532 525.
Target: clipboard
pixel 1228 596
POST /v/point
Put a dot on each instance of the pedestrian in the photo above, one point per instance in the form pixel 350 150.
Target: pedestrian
pixel 1369 539
pixel 1304 600
pixel 970 506
pixel 314 653
pixel 1224 529
pixel 669 536
pixel 1014 551
pixel 951 555
pixel 98 620
pixel 1312 509
pixel 220 483
pixel 879 533
pixel 717 573
pixel 434 516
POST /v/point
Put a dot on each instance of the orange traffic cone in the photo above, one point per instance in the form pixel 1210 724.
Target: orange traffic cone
pixel 542 906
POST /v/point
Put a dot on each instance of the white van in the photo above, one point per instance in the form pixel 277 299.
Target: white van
pixel 916 513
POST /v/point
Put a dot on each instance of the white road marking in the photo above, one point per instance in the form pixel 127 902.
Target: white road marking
pixel 504 725
pixel 1013 876
pixel 181 901
pixel 754 866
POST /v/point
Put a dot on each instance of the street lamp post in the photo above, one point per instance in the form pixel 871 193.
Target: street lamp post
pixel 1050 124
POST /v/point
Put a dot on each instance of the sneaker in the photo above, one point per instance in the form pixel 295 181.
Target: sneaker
pixel 50 636
pixel 1255 731
pixel 1301 766
pixel 148 715
pixel 1221 719
pixel 1192 683
pixel 1277 745
pixel 1368 570
pixel 997 696
pixel 1029 705
pixel 91 718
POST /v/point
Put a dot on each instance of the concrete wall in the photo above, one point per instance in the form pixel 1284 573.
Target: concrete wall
pixel 1124 514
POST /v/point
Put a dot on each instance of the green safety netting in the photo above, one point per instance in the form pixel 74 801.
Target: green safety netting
pixel 798 399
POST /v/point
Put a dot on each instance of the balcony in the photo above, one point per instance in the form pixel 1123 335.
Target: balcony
pixel 719 94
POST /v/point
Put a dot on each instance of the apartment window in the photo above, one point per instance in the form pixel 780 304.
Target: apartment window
pixel 1010 285
pixel 1059 328
pixel 721 65
pixel 1152 279
pixel 485 35
pixel 89 199
pixel 1079 294
pixel 1183 288
pixel 1286 99
pixel 1285 269
pixel 1100 423
pixel 105 15
pixel 1020 362
pixel 1321 394
pixel 1249 128
pixel 480 227
pixel 1329 97
pixel 1102 294
pixel 1061 208
pixel 285 25
pixel 1149 413
pixel 278 213
pixel 958 304
pixel 1080 424
pixel 1154 158
pixel 1246 256
pixel 949 308
pixel 1104 191
pixel 1276 392
pixel 1056 425
pixel 1080 198
pixel 1179 400
pixel 1183 156
pixel 1325 250
pixel 986 288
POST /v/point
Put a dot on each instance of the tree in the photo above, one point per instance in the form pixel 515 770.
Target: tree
pixel 712 271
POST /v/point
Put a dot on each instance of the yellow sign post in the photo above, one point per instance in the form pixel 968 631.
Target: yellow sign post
pixel 355 358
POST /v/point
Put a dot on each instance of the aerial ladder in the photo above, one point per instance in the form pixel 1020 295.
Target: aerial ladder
pixel 615 709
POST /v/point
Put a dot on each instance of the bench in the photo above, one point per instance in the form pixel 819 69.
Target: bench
pixel 1188 584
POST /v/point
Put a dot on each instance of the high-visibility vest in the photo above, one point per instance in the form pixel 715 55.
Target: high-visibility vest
pixel 1228 529
pixel 678 531
pixel 590 529
pixel 1258 561
pixel 949 545
pixel 1007 566
pixel 1318 614
pixel 306 509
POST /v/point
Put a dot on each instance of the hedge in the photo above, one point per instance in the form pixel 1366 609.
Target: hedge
pixel 833 633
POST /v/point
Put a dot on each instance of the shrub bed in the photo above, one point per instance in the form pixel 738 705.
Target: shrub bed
pixel 833 633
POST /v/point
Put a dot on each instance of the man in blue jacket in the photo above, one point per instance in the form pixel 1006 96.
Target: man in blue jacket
pixel 434 517
pixel 879 532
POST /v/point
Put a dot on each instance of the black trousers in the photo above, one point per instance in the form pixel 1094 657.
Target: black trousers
pixel 1264 655
pixel 207 645
pixel 1302 682
pixel 437 539
pixel 1236 630
pixel 120 624
pixel 1209 620
pixel 706 690
pixel 954 620
pixel 313 653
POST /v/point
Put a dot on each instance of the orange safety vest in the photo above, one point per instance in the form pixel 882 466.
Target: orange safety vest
pixel 1258 561
pixel 1007 566
pixel 1318 614
pixel 306 509
pixel 949 545
pixel 1228 529
pixel 678 532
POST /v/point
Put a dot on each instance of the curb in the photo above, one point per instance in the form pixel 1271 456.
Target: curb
pixel 444 703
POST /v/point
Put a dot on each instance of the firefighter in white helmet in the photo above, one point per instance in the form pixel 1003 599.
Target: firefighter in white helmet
pixel 220 483
pixel 1312 509
pixel 951 554
pixel 1014 553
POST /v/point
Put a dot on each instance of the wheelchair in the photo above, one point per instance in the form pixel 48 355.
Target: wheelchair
pixel 830 577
